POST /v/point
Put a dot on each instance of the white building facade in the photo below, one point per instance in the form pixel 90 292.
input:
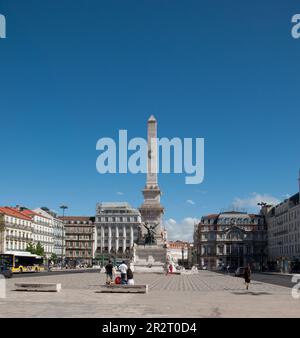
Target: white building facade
pixel 16 231
pixel 118 226
pixel 43 231
pixel 58 231
pixel 283 221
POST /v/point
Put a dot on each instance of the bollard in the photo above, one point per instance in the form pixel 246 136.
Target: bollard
pixel 2 287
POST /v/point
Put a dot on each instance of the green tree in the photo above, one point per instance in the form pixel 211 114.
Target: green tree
pixel 54 257
pixel 39 250
pixel 30 248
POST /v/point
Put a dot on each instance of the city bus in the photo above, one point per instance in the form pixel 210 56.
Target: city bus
pixel 22 262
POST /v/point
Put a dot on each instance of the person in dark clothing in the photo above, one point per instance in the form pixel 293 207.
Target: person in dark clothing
pixel 247 276
pixel 130 280
pixel 109 272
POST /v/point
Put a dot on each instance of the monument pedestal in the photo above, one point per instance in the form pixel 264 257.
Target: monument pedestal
pixel 150 258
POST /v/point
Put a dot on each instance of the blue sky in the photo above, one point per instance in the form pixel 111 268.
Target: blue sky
pixel 72 72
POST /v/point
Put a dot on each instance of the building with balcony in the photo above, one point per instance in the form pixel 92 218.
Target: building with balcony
pixel 16 230
pixel 42 229
pixel 81 240
pixel 231 239
pixel 283 221
pixel 118 226
pixel 58 232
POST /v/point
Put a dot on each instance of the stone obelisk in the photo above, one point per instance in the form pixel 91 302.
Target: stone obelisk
pixel 151 210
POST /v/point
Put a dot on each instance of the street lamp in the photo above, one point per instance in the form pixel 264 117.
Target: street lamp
pixel 63 207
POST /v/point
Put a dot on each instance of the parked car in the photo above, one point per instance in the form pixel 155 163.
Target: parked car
pixel 239 272
pixel 5 271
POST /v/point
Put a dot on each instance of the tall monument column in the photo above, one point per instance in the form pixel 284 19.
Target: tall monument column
pixel 152 181
pixel 151 210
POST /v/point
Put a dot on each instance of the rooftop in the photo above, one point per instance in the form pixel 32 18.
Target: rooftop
pixel 30 213
pixel 78 218
pixel 114 205
pixel 14 213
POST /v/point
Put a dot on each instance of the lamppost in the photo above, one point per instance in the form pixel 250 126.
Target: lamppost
pixel 63 207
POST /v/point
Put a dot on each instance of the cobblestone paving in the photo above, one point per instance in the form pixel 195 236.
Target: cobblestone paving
pixel 205 294
pixel 207 281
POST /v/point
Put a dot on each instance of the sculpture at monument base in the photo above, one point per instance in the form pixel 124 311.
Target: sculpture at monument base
pixel 149 237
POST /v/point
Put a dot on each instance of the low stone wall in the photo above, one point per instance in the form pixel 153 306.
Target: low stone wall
pixel 119 288
pixel 38 287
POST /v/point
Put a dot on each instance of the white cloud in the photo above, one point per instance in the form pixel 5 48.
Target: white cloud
pixel 182 230
pixel 251 201
pixel 190 202
pixel 120 193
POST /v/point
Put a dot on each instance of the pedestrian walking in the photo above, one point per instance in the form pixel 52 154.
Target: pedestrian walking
pixel 247 276
pixel 171 268
pixel 109 272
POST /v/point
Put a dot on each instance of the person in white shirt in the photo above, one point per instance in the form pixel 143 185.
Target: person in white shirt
pixel 123 269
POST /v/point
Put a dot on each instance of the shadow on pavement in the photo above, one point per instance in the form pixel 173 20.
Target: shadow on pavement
pixel 251 293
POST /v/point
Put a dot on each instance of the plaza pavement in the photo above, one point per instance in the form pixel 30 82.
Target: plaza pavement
pixel 206 294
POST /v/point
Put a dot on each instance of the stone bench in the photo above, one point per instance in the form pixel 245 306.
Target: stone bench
pixel 123 288
pixel 38 287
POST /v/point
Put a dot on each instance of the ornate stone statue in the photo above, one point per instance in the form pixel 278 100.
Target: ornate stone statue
pixel 150 235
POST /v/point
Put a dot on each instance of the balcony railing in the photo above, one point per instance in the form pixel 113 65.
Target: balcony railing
pixel 78 240
pixel 78 248
pixel 43 232
pixel 18 238
pixel 18 226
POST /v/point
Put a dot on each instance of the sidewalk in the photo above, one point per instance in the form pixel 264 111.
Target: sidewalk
pixel 278 273
pixel 259 272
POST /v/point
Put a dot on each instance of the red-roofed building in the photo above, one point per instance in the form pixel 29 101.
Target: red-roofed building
pixel 43 232
pixel 20 226
pixel 16 230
